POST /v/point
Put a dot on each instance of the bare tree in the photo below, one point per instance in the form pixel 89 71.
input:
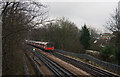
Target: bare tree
pixel 63 33
pixel 17 19
pixel 27 14
pixel 114 23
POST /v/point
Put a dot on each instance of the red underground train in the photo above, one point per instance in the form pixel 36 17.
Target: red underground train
pixel 47 46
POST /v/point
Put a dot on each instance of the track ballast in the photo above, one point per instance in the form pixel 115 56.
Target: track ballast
pixel 94 71
pixel 54 67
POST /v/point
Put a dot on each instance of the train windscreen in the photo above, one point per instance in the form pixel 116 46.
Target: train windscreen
pixel 49 45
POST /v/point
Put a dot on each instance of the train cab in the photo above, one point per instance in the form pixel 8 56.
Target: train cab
pixel 49 46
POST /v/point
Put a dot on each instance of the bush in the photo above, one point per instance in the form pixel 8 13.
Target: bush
pixel 117 53
pixel 106 52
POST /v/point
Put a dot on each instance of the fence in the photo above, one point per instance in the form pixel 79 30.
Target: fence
pixel 106 65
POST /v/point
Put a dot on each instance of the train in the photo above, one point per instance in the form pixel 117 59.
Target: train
pixel 46 46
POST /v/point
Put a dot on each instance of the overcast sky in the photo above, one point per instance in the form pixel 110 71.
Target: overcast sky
pixel 94 14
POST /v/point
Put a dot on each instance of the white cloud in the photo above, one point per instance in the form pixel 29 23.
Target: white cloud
pixel 78 0
pixel 94 14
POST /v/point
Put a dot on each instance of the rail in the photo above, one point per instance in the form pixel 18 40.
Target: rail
pixel 94 71
pixel 37 71
pixel 53 66
pixel 106 65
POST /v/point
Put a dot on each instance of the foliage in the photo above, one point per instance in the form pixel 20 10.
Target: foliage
pixel 85 37
pixel 113 25
pixel 17 19
pixel 63 33
pixel 106 52
pixel 117 53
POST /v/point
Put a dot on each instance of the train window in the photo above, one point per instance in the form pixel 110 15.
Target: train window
pixel 49 45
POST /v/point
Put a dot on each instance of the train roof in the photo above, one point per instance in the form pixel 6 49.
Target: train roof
pixel 39 42
pixel 42 42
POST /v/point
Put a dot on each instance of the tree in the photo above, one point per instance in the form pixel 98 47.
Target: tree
pixel 63 33
pixel 26 14
pixel 113 25
pixel 93 32
pixel 17 19
pixel 85 37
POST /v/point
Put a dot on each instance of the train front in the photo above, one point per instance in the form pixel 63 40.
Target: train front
pixel 49 47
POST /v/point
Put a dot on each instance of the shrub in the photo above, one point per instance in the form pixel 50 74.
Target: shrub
pixel 117 53
pixel 106 52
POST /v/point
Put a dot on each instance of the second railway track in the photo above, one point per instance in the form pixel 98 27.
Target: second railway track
pixel 58 70
pixel 86 67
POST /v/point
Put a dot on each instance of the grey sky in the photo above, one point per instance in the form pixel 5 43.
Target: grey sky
pixel 94 14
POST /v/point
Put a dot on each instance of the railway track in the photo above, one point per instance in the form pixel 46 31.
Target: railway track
pixel 94 71
pixel 58 70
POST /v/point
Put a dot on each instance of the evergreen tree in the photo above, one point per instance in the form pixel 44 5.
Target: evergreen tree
pixel 85 37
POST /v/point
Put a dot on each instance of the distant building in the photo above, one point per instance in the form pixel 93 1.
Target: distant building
pixel 104 36
pixel 103 39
